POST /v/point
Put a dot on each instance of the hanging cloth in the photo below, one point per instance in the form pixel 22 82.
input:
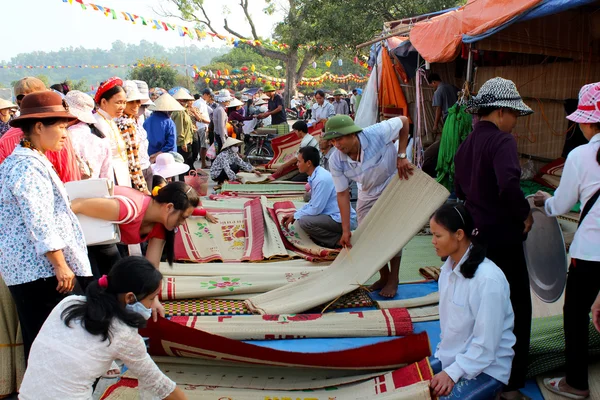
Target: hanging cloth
pixel 457 127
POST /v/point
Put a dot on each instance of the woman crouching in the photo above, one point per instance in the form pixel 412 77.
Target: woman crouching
pixel 101 326
pixel 476 316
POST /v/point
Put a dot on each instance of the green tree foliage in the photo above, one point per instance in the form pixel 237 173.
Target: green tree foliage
pixel 120 53
pixel 164 77
pixel 324 23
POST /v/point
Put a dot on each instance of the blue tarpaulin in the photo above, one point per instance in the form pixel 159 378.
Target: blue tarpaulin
pixel 547 7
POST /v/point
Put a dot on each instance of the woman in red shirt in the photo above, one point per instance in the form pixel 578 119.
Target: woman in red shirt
pixel 154 218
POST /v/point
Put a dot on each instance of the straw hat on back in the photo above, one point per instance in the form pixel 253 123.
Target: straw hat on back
pixel 166 103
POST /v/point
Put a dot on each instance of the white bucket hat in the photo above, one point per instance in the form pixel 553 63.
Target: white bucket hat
pixel 167 167
pixel 182 94
pixel 4 104
pixel 223 96
pixel 229 142
pixel 498 93
pixel 81 105
pixel 143 88
pixel 132 92
pixel 166 103
pixel 235 103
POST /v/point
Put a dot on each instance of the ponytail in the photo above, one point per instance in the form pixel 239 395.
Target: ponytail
pixel 102 305
pixel 182 196
pixel 455 217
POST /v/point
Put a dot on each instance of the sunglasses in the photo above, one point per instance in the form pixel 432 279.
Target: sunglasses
pixel 20 97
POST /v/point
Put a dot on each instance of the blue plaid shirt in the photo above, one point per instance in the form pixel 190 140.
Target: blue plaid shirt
pixel 377 163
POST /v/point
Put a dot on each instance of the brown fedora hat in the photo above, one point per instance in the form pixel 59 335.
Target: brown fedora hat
pixel 41 105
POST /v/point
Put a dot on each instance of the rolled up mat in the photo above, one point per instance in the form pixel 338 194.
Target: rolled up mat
pixel 404 207
pixel 432 298
pixel 392 322
pixel 168 338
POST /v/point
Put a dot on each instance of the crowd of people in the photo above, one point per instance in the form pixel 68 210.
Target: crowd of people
pixel 98 297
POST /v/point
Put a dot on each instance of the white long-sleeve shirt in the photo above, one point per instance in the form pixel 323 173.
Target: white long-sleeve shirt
pixel 64 362
pixel 476 319
pixel 580 180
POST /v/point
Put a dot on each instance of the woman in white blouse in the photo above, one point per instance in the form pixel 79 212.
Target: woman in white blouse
pixel 111 100
pixel 476 316
pixel 42 251
pixel 580 181
pixel 100 326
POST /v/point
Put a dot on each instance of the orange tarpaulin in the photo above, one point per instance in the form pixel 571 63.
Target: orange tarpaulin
pixel 390 92
pixel 438 40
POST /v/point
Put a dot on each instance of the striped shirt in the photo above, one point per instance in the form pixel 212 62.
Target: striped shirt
pixel 377 163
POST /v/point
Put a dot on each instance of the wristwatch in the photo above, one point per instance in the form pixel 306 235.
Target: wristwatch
pixel 402 156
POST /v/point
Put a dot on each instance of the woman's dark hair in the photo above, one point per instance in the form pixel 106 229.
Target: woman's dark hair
pixel 102 305
pixel 28 124
pixel 311 154
pixel 455 217
pixel 485 111
pixel 110 93
pixel 61 87
pixel 320 93
pixel 96 131
pixel 158 180
pixel 183 196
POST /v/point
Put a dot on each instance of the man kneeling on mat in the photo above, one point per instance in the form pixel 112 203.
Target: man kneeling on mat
pixel 320 218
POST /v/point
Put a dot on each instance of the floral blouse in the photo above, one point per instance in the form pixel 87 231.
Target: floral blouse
pixel 224 161
pixel 128 127
pixel 35 218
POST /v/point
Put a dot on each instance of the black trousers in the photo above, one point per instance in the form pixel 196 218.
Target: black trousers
pixel 102 258
pixel 510 259
pixel 187 159
pixel 35 300
pixel 195 149
pixel 583 285
pixel 301 177
pixel 223 175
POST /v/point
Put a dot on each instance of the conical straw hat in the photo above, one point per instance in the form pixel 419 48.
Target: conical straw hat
pixel 182 94
pixel 166 103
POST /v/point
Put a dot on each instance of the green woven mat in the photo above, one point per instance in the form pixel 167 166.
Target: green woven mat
pixel 531 187
pixel 262 188
pixel 196 307
pixel 547 347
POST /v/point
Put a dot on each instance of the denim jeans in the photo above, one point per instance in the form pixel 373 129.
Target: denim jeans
pixel 484 387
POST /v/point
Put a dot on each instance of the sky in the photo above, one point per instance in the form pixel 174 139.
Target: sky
pixel 49 25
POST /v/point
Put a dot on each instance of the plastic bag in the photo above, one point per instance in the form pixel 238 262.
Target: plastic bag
pixel 211 153
pixel 528 171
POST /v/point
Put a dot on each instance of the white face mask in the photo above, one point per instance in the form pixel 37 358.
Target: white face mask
pixel 235 149
pixel 140 309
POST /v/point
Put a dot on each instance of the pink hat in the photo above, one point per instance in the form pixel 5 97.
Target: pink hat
pixel 588 109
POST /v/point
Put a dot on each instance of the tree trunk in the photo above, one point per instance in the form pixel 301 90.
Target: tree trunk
pixel 290 76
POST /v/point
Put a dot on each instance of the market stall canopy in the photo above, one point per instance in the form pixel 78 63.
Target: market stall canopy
pixel 477 20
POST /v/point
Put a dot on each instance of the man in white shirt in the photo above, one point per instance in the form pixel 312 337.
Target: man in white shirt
pixel 202 124
pixel 322 110
pixel 301 130
pixel 369 158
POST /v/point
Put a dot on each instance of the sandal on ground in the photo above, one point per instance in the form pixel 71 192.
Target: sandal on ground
pixel 553 386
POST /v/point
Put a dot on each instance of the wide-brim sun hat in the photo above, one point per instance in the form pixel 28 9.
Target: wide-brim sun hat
pixel 182 94
pixel 81 105
pixel 229 142
pixel 4 104
pixel 268 88
pixel 235 103
pixel 166 103
pixel 143 88
pixel 42 105
pixel 167 167
pixel 340 125
pixel 260 102
pixel 498 93
pixel 265 97
pixel 223 96
pixel 132 92
pixel 588 110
